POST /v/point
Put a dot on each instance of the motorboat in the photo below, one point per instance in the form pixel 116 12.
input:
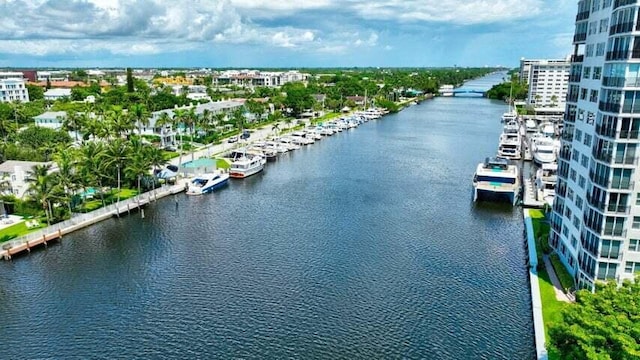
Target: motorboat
pixel 206 183
pixel 496 179
pixel 548 129
pixel 510 146
pixel 544 150
pixel 246 166
pixel 288 142
pixel 276 146
pixel 545 181
pixel 531 125
pixel 510 115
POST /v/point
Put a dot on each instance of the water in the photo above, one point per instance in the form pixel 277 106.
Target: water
pixel 364 245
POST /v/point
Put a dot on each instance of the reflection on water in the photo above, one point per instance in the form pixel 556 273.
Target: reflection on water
pixel 364 245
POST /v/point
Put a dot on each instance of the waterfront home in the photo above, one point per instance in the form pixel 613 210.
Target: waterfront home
pixel 13 176
pixel 51 119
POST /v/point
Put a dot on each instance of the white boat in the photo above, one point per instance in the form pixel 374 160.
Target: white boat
pixel 510 115
pixel 548 129
pixel 544 150
pixel 530 125
pixel 546 178
pixel 278 147
pixel 496 179
pixel 288 142
pixel 206 183
pixel 510 146
pixel 246 166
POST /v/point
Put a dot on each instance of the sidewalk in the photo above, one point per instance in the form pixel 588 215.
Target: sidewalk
pixel 557 287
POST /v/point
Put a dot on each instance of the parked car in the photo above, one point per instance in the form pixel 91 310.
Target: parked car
pixel 232 139
pixel 245 135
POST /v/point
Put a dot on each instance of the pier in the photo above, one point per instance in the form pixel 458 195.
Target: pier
pixel 56 231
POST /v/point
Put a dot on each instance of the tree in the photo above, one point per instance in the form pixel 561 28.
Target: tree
pixel 65 177
pixel 298 98
pixel 35 92
pixel 41 188
pixel 130 87
pixel 140 115
pixel 600 325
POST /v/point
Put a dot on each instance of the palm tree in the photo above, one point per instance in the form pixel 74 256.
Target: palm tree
pixel 115 155
pixel 41 188
pixel 275 128
pixel 137 167
pixel 6 127
pixel 73 122
pixel 119 122
pixel 92 166
pixel 65 177
pixel 140 115
pixel 163 120
pixel 178 117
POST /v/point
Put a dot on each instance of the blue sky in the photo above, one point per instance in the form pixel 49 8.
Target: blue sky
pixel 282 33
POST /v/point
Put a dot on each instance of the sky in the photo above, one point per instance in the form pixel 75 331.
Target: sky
pixel 282 33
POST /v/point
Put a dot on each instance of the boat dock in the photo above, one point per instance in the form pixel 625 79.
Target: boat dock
pixel 56 231
pixel 529 196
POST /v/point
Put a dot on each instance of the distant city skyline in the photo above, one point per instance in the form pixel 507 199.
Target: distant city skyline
pixel 261 33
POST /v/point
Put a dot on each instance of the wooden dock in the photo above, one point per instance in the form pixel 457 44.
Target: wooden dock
pixel 56 231
pixel 530 198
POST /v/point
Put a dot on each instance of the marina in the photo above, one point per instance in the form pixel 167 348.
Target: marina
pixel 326 253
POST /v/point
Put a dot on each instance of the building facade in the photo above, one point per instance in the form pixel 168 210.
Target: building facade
pixel 547 80
pixel 12 87
pixel 596 213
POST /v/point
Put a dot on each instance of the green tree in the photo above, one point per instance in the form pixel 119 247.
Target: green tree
pixel 140 116
pixel 600 325
pixel 298 98
pixel 130 87
pixel 41 188
pixel 35 92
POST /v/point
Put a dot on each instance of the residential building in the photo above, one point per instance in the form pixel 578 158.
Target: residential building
pixel 51 119
pixel 547 80
pixel 15 174
pixel 258 78
pixel 57 94
pixel 596 213
pixel 168 134
pixel 12 87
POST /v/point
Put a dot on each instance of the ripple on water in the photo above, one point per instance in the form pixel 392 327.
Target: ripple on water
pixel 364 245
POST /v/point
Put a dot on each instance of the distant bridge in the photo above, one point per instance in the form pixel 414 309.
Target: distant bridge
pixel 460 91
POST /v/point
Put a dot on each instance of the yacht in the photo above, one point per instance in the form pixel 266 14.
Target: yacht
pixel 510 146
pixel 206 183
pixel 531 125
pixel 496 179
pixel 246 166
pixel 544 150
pixel 510 115
pixel 545 182
pixel 548 129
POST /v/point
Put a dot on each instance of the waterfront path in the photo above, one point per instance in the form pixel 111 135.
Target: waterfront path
pixel 557 287
pixel 79 221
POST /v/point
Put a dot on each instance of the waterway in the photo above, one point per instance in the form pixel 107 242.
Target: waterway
pixel 364 245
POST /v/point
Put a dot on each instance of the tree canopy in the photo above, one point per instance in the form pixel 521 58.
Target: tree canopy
pixel 602 325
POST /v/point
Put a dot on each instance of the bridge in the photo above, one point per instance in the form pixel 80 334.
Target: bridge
pixel 461 91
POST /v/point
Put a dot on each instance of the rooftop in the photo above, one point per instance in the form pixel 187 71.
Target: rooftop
pixel 10 165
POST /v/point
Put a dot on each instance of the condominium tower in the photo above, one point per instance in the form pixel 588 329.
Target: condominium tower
pixel 12 87
pixel 547 81
pixel 596 213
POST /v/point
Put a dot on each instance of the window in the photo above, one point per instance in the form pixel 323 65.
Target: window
pixel 600 49
pixel 586 72
pixel 636 222
pixel 593 96
pixel 610 249
pixel 574 241
pixel 587 139
pixel 572 174
pixel 632 267
pixel 576 224
pixel 579 201
pixel 634 245
pixel 606 3
pixel 584 161
pixel 637 198
pixel 604 25
pixel 583 94
pixel 581 182
pixel 589 50
pixel 576 155
pixel 607 271
pixel 578 135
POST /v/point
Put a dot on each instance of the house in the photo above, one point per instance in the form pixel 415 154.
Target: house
pixel 56 94
pixel 14 175
pixel 13 88
pixel 358 100
pixel 51 119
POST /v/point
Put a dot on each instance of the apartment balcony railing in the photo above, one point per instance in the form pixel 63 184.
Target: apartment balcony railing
pixel 601 180
pixel 609 107
pixel 622 55
pixel 594 203
pixel 575 78
pixel 619 3
pixel 580 37
pixel 565 154
pixel 618 135
pixel 621 28
pixel 614 233
pixel 582 15
pixel 591 249
pixel 603 156
pixel 572 98
pixel 595 226
pixel 622 185
pixel 620 81
pixel 577 58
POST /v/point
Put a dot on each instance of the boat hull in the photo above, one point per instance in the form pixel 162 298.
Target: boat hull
pixel 209 188
pixel 503 196
pixel 237 174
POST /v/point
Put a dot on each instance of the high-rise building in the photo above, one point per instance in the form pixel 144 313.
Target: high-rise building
pixel 547 81
pixel 596 213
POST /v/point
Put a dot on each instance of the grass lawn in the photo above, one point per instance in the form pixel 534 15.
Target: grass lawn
pixel 16 230
pixel 551 308
pixel 222 164
pixel 325 117
pixel 96 202
pixel 168 155
pixel 563 275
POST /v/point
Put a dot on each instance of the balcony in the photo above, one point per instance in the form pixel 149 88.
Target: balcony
pixel 595 226
pixel 577 58
pixel 565 154
pixel 575 78
pixel 567 136
pixel 582 15
pixel 606 131
pixel 622 185
pixel 619 3
pixel 580 37
pixel 572 98
pixel 617 135
pixel 621 28
pixel 598 205
pixel 604 156
pixel 592 250
pixel 622 55
pixel 600 180
pixel 609 107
